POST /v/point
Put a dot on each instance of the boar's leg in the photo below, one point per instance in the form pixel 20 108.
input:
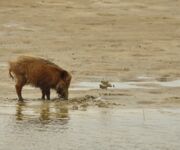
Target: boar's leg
pixel 19 85
pixel 48 93
pixel 18 91
pixel 45 92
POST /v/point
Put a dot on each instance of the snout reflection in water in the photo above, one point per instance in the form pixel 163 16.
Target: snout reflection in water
pixel 44 111
pixel 61 110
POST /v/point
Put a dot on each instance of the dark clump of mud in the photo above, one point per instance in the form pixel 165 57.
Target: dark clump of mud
pixel 81 103
pixel 105 85
pixel 82 99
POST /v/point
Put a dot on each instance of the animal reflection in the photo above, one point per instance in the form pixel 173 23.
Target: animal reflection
pixel 45 111
pixel 19 109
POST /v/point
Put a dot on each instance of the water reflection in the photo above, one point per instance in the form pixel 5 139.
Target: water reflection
pixel 61 110
pixel 44 111
pixel 19 109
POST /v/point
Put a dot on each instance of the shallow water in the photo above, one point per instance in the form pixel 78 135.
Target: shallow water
pixel 127 85
pixel 3 64
pixel 51 125
pixel 95 85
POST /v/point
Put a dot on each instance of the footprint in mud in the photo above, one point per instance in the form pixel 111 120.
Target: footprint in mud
pixel 102 104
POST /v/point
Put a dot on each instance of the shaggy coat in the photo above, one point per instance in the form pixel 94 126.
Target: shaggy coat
pixel 40 73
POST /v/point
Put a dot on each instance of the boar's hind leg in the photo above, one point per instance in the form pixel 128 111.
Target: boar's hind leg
pixel 19 85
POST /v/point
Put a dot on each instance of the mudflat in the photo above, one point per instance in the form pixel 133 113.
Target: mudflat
pixel 132 44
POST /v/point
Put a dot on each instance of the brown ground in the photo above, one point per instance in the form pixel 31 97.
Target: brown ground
pixel 96 39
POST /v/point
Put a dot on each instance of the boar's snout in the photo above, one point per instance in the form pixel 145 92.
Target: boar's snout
pixel 62 91
pixel 63 95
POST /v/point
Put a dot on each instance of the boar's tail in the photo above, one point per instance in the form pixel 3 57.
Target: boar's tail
pixel 10 74
pixel 10 70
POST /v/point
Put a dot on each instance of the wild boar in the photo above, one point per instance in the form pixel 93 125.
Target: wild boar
pixel 41 73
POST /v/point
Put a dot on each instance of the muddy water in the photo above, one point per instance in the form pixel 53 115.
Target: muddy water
pixel 52 125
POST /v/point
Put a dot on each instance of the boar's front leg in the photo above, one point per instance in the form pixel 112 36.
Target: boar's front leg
pixel 48 93
pixel 45 92
pixel 19 85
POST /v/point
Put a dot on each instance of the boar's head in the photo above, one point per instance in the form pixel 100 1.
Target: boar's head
pixel 63 85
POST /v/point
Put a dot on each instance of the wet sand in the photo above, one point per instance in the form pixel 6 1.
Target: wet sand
pixel 133 45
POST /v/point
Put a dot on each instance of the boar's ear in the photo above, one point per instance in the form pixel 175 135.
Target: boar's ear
pixel 65 75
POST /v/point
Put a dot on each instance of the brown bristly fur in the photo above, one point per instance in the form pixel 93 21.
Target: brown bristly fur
pixel 40 73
